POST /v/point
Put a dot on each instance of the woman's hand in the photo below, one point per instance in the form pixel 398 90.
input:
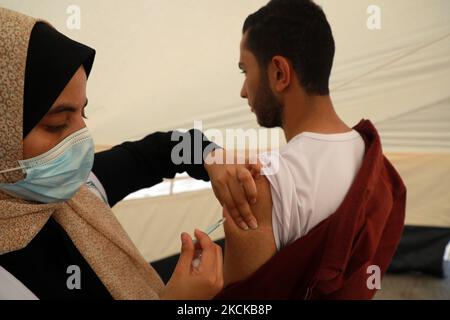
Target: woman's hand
pixel 201 283
pixel 234 186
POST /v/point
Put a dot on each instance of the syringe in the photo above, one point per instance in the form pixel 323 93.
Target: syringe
pixel 208 231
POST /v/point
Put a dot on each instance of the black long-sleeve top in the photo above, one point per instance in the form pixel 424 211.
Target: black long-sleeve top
pixel 124 169
pixel 132 166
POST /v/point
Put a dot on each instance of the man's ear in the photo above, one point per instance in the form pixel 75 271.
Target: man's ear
pixel 281 73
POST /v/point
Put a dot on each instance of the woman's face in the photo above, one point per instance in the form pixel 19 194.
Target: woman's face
pixel 64 118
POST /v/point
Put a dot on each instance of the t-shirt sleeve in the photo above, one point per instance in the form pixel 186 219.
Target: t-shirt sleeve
pixel 286 206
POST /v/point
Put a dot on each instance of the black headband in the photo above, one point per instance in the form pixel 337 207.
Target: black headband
pixel 52 60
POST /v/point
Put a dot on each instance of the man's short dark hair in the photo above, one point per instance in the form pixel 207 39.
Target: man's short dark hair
pixel 299 31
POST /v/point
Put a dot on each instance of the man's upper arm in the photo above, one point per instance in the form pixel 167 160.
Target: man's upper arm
pixel 246 251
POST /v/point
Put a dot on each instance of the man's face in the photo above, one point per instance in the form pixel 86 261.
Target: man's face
pixel 256 89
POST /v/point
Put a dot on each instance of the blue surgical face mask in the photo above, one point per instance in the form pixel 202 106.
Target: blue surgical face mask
pixel 58 174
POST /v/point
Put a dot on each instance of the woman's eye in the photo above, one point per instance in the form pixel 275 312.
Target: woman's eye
pixel 55 129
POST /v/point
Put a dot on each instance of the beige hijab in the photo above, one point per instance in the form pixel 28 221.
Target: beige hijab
pixel 87 220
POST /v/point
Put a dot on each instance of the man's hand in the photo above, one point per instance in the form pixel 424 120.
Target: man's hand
pixel 234 187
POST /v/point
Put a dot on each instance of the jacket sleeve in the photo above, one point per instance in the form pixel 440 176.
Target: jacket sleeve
pixel 132 166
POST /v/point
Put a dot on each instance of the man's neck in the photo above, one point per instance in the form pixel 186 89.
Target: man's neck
pixel 311 114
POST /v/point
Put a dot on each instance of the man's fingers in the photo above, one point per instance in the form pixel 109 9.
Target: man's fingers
pixel 241 204
pixel 187 253
pixel 246 178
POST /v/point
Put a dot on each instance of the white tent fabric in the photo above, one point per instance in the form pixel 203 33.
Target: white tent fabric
pixel 162 65
pixel 155 224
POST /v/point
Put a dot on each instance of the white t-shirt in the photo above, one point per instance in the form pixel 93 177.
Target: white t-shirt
pixel 96 187
pixel 12 289
pixel 309 179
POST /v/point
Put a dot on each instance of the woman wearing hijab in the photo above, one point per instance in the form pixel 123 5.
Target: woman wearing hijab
pixel 50 222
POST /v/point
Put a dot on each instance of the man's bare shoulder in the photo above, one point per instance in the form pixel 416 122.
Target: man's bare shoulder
pixel 246 251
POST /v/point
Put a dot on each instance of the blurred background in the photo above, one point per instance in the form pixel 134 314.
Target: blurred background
pixel 162 64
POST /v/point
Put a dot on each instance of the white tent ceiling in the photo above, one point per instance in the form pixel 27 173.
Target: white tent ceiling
pixel 163 64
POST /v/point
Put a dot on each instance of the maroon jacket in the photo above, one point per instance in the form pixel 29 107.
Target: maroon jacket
pixel 332 260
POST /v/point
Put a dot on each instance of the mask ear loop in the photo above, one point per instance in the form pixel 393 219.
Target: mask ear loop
pixel 75 138
pixel 11 170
